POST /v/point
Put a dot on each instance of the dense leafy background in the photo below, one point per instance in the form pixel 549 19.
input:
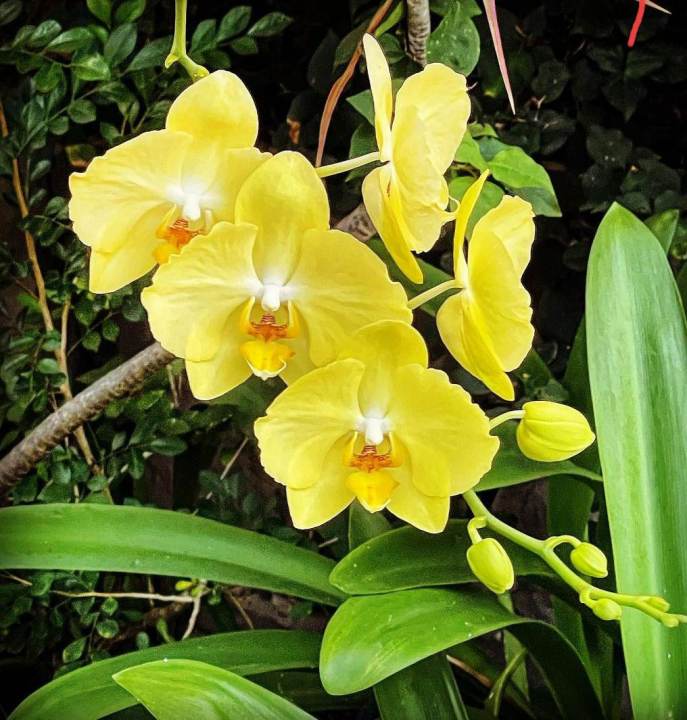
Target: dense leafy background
pixel 79 77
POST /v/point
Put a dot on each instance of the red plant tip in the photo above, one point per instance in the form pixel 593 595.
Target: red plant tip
pixel 637 23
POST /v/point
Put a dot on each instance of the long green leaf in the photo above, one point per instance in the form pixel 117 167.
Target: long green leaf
pixel 304 688
pixel 173 689
pixel 90 692
pixel 426 690
pixel 637 349
pixel 370 638
pixel 408 558
pixel 158 542
pixel 511 467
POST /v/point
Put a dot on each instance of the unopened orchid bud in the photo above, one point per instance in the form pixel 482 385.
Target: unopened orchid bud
pixel 550 432
pixel 607 609
pixel 589 560
pixel 491 565
pixel 659 603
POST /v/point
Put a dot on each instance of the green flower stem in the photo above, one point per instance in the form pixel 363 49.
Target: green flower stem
pixel 178 52
pixel 430 294
pixel 347 165
pixel 546 550
pixel 505 417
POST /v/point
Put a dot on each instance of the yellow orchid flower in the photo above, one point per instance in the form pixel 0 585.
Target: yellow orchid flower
pixel 379 426
pixel 407 196
pixel 276 293
pixel 144 199
pixel 487 327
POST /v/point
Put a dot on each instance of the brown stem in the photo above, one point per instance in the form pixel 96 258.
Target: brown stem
pixel 418 29
pixel 121 381
pixel 340 84
pixel 60 352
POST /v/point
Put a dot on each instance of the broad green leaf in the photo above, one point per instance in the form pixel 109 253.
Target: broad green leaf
pixel 120 44
pixel 101 9
pixel 469 152
pixel 129 11
pixel 44 33
pixel 409 558
pixel 424 691
pixel 455 42
pixel 364 525
pixel 271 24
pixel 526 178
pixel 82 111
pixel 90 692
pixel 370 638
pixel 304 688
pixel 664 226
pixel 9 11
pixel 70 40
pixel 151 55
pixel 511 467
pixel 48 77
pixel 637 351
pixel 234 22
pixel 171 689
pixel 158 542
pixel 91 67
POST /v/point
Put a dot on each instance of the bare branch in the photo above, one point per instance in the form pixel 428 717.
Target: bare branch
pixel 124 380
pixel 418 29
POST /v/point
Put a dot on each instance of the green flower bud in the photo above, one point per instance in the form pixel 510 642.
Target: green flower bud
pixel 607 609
pixel 589 560
pixel 491 565
pixel 659 603
pixel 549 431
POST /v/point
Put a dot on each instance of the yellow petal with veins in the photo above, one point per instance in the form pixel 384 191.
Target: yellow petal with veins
pixel 109 271
pixel 466 335
pixel 388 219
pixel 419 193
pixel 467 205
pixel 284 198
pixel 300 363
pixel 306 420
pixel 226 369
pixel 383 347
pixel 219 175
pixel 487 328
pixel 341 285
pixel 495 264
pixel 424 512
pixel 439 97
pixel 512 221
pixel 445 435
pixel 194 293
pixel 382 95
pixel 218 108
pixel 325 499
